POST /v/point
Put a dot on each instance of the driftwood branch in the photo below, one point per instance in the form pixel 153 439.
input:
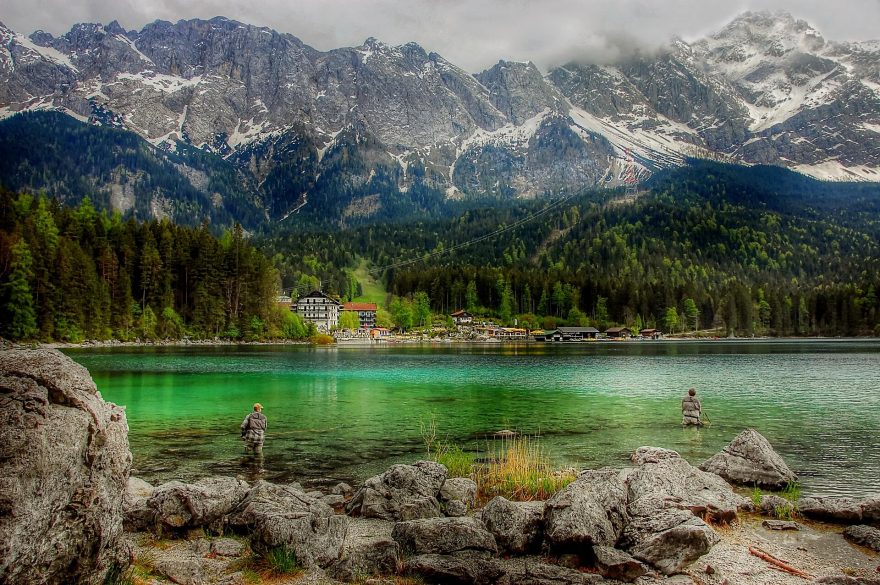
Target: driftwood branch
pixel 777 563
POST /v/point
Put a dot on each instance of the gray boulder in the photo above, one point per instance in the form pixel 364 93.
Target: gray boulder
pixel 227 547
pixel 616 564
pixel 64 467
pixel 458 569
pixel 590 510
pixel 867 536
pixel 871 509
pixel 138 515
pixel 183 571
pixel 518 527
pixel 204 503
pixel 455 508
pixel 368 550
pixel 461 489
pixel 404 492
pixel 669 539
pixel 775 506
pixel 843 510
pixel 277 515
pixel 750 460
pixel 443 536
pixel 663 473
pixel 342 489
pixel 539 573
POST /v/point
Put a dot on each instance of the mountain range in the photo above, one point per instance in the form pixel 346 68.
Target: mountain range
pixel 260 125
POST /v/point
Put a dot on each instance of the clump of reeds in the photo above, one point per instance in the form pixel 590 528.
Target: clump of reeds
pixel 518 469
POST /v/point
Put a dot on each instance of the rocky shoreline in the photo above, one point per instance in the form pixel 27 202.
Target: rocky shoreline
pixel 70 513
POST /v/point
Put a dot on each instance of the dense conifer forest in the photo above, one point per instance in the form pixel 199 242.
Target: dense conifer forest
pixel 720 248
pixel 745 251
pixel 76 273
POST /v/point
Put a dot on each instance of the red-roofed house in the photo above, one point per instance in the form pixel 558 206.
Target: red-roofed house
pixel 366 313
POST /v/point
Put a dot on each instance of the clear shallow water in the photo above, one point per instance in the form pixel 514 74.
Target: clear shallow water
pixel 347 413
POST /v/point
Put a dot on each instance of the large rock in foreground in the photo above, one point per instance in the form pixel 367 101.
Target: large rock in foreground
pixel 663 474
pixel 590 510
pixel 204 503
pixel 283 516
pixel 64 466
pixel 443 536
pixel 404 492
pixel 750 460
pixel 518 527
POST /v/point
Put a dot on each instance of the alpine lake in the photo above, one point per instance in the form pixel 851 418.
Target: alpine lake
pixel 343 413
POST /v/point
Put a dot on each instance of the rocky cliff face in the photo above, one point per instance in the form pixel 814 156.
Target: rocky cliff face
pixel 765 89
pixel 64 466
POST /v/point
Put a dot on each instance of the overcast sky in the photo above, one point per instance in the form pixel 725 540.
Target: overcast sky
pixel 471 33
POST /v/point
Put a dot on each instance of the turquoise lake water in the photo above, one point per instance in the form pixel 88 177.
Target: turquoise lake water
pixel 345 413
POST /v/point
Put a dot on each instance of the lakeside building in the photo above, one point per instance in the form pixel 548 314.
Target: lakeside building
pixel 366 313
pixel 462 317
pixel 496 332
pixel 651 333
pixel 618 333
pixel 319 309
pixel 567 334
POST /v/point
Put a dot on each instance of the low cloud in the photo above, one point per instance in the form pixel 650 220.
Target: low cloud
pixel 471 34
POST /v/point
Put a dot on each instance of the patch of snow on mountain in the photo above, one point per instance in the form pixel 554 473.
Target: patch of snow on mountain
pixel 509 134
pixel 649 146
pixel 47 53
pixel 833 170
pixel 134 48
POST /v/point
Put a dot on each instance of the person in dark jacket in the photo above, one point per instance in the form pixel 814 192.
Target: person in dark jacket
pixel 253 430
pixel 691 409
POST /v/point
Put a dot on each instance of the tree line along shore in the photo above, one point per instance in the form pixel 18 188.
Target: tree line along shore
pixel 71 274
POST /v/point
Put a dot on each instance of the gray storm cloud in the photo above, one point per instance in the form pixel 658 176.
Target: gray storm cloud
pixel 472 34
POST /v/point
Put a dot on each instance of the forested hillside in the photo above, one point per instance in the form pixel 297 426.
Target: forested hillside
pixel 53 153
pixel 750 250
pixel 71 274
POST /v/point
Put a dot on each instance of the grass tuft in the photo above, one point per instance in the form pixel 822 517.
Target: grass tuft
pixel 518 469
pixel 757 496
pixel 282 561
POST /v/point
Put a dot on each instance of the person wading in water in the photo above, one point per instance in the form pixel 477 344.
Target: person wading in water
pixel 253 430
pixel 691 410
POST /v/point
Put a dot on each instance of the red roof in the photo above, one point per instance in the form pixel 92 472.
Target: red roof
pixel 359 307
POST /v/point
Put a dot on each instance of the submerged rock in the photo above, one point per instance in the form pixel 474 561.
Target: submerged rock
pixel 750 460
pixel 404 492
pixel 64 467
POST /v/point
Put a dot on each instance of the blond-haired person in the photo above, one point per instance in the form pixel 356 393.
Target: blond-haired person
pixel 253 430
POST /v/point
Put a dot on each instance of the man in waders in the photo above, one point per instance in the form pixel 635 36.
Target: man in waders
pixel 691 410
pixel 253 430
